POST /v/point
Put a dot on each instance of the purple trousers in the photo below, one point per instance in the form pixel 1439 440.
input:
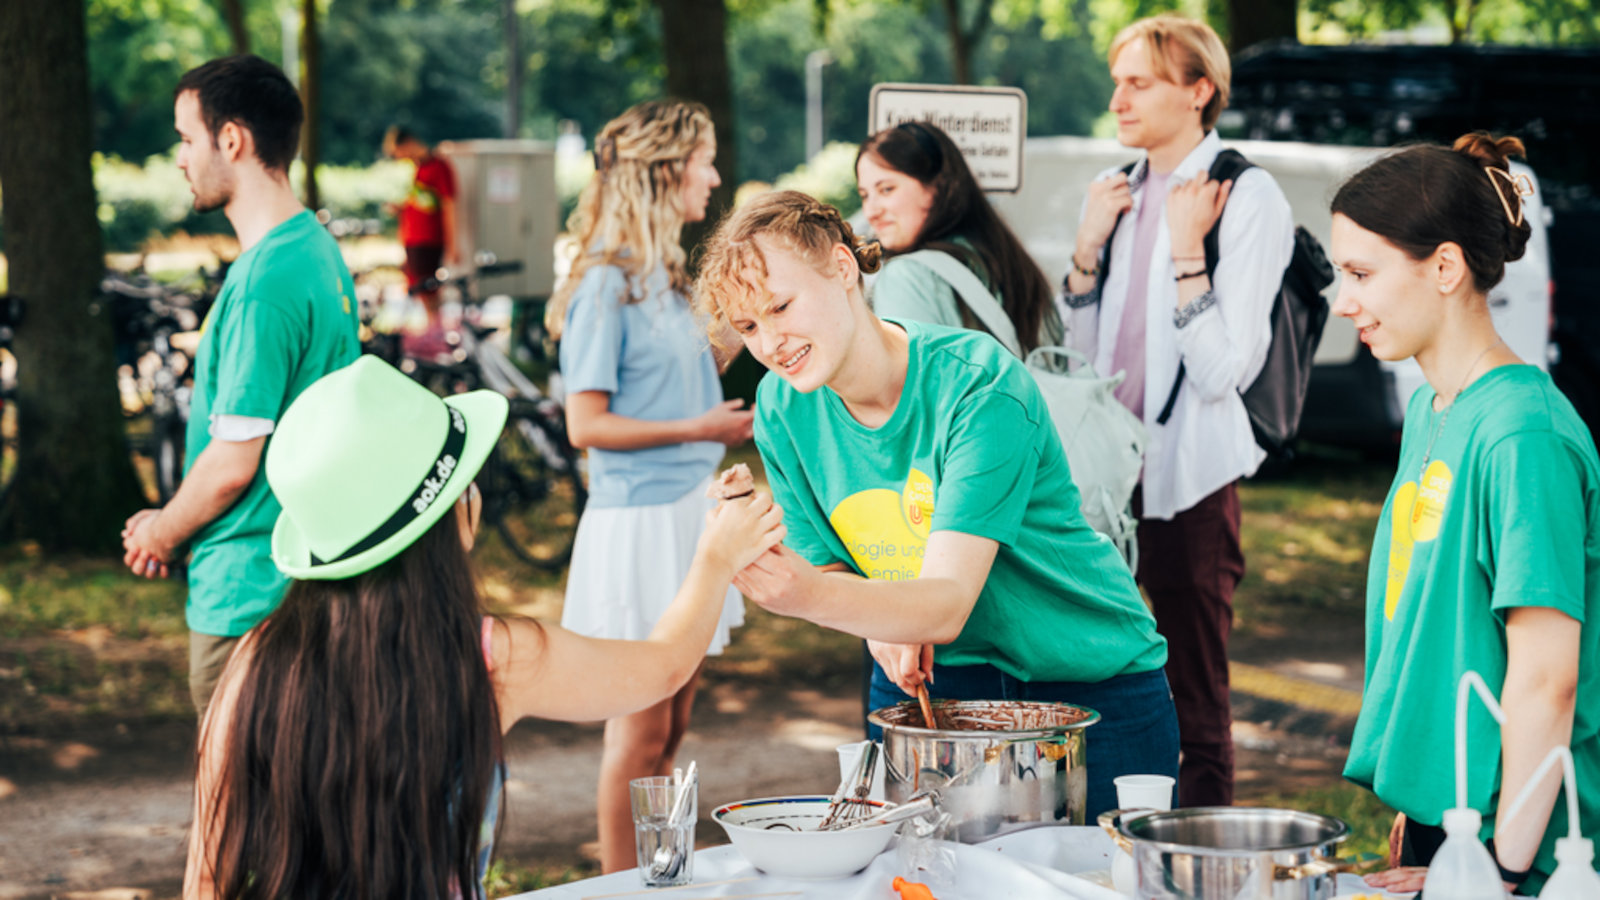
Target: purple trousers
pixel 1189 565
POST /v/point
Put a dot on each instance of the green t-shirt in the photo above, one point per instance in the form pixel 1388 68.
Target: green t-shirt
pixel 286 317
pixel 970 448
pixel 1507 515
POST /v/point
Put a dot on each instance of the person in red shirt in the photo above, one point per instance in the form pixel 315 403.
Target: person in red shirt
pixel 427 231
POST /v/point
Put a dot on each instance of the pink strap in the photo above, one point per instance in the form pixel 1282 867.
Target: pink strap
pixel 488 642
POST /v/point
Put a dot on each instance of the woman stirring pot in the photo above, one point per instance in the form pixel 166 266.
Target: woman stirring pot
pixel 927 498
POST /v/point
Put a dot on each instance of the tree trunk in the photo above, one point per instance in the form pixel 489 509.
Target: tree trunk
pixel 513 71
pixel 960 49
pixel 694 38
pixel 311 97
pixel 1254 21
pixel 233 11
pixel 75 484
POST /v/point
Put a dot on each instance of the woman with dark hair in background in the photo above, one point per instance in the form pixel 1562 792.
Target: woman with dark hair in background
pixel 918 194
pixel 353 749
pixel 1486 556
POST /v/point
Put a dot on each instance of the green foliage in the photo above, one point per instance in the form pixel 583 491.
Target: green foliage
pixel 1555 22
pixel 830 177
pixel 436 67
pixel 139 201
pixel 137 51
pixel 1066 81
pixel 588 60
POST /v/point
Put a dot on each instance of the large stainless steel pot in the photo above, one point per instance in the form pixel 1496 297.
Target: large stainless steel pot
pixel 1230 853
pixel 999 766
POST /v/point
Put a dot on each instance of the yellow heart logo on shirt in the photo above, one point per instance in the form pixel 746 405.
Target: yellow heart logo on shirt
pixel 886 532
pixel 1414 518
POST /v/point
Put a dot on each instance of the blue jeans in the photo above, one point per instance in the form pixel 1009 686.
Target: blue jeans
pixel 1137 733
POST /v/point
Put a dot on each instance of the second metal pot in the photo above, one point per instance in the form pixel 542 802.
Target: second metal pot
pixel 998 766
pixel 1235 853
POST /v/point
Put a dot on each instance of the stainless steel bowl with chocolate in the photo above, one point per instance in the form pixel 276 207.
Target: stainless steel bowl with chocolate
pixel 999 765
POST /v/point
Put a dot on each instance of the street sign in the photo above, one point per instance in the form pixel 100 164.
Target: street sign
pixel 989 124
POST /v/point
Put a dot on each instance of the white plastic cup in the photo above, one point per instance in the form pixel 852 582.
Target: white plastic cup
pixel 1144 791
pixel 850 756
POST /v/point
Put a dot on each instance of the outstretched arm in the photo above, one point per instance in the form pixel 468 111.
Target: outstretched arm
pixel 547 672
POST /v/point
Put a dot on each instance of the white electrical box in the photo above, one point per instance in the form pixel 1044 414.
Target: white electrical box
pixel 506 204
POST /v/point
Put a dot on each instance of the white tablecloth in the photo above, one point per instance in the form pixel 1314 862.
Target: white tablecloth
pixel 1029 864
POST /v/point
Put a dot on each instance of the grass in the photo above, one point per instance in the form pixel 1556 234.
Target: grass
pixel 1369 819
pixel 506 878
pixel 1307 539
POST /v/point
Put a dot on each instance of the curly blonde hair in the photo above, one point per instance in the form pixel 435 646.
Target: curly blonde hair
pixel 633 207
pixel 733 269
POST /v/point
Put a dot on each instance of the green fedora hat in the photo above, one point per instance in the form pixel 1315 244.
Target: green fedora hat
pixel 365 461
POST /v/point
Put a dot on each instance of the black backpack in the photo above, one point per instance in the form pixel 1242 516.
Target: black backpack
pixel 1277 397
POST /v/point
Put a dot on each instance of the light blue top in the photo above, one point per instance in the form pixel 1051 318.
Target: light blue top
pixel 652 357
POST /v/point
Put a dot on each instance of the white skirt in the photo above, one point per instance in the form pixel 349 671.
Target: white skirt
pixel 628 563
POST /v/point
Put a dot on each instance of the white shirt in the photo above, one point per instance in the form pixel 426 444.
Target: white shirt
pixel 1207 443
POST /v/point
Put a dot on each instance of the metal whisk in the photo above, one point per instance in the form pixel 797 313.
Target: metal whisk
pixel 849 804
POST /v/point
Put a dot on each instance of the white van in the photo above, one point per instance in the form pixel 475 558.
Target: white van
pixel 1354 399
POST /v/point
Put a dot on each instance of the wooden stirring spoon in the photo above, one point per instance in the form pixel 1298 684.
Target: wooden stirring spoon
pixel 927 706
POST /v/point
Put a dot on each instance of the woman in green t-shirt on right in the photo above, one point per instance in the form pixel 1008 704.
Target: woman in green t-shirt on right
pixel 1487 554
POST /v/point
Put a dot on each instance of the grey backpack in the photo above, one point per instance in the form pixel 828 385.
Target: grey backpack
pixel 1104 442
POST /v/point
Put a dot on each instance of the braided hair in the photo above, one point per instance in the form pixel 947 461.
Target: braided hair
pixel 733 268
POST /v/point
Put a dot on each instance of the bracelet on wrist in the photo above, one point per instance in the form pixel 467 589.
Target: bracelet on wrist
pixel 1509 876
pixel 1087 273
pixel 1185 276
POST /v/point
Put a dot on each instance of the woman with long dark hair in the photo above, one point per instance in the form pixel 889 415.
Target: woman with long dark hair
pixel 918 194
pixel 1485 557
pixel 353 749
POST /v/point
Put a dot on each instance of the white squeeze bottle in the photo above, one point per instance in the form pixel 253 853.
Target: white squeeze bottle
pixel 1575 877
pixel 1463 868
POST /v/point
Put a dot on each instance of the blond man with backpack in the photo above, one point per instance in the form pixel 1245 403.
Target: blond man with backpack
pixel 1143 298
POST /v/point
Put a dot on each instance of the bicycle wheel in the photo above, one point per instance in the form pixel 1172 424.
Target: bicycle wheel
pixel 533 488
pixel 167 443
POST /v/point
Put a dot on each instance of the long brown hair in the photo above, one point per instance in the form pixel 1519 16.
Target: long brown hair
pixel 960 209
pixel 360 758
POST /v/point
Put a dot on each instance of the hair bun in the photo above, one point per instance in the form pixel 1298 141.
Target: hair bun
pixel 1488 150
pixel 1494 153
pixel 869 256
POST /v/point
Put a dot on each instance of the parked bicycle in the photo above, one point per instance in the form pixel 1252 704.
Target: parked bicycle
pixel 533 481
pixel 155 375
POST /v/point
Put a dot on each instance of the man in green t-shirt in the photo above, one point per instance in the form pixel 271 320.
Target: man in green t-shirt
pixel 284 319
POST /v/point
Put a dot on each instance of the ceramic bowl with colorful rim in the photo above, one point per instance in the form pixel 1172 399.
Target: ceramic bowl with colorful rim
pixel 779 836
